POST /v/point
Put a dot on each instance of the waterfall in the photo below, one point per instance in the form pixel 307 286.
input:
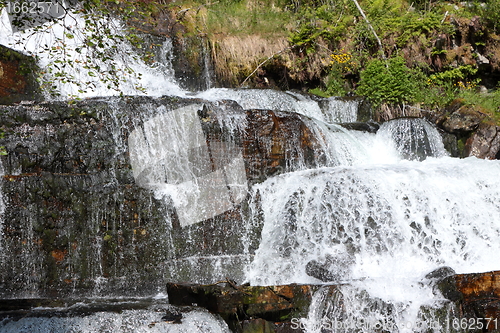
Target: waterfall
pixel 178 163
pixel 380 228
pixel 341 111
pixel 133 76
pixel 381 215
pixel 367 215
pixel 414 139
pixel 332 110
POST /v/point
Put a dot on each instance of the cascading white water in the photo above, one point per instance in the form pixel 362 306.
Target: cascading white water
pixel 380 227
pixel 268 99
pixel 413 212
pixel 385 210
pixel 414 139
pixel 340 111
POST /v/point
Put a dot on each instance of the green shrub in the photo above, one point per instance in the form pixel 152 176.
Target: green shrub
pixel 389 81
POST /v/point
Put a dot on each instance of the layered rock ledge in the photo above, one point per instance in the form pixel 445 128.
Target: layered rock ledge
pixel 472 298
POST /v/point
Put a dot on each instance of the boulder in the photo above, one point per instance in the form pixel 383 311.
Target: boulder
pixel 476 296
pixel 247 308
pixel 484 142
pixel 464 120
pixel 331 269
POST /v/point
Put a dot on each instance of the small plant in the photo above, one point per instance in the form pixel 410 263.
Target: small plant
pixel 341 63
pixel 389 81
pixel 452 76
pixel 437 52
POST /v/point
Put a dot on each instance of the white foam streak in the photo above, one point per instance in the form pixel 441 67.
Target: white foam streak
pixel 331 110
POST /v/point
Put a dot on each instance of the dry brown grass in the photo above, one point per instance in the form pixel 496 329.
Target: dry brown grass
pixel 236 57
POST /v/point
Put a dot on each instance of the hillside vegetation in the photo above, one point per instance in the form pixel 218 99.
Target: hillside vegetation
pixel 430 52
pixel 424 53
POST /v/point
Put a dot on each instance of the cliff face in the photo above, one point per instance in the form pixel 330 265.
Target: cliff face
pixel 81 211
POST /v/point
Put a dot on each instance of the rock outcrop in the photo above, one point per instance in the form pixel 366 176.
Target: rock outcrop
pixel 464 120
pixel 474 301
pixel 78 219
pixel 17 80
pixel 484 142
pixel 248 308
pixel 477 296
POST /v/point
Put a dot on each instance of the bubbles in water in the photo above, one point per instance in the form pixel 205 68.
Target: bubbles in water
pixel 126 321
pixel 394 222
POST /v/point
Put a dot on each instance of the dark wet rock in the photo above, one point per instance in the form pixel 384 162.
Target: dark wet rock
pixel 365 111
pixel 449 290
pixel 172 316
pixel 73 307
pixel 248 308
pixel 440 273
pixel 319 271
pixel 331 269
pixel 436 279
pixel 370 127
pixel 275 303
pixel 257 326
pixel 450 142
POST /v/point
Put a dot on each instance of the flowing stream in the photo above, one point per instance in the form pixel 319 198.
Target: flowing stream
pixel 378 213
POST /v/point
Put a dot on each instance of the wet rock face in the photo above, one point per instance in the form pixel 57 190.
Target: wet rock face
pixel 470 133
pixel 476 296
pixel 17 81
pixel 72 211
pixel 248 308
pixel 276 142
pixel 78 219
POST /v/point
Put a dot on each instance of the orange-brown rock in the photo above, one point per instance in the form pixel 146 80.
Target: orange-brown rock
pixel 269 302
pixel 479 286
pixel 476 295
pixel 247 308
pixel 277 142
pixel 16 77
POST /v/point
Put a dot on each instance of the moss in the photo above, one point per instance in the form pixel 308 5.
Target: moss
pixel 461 146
